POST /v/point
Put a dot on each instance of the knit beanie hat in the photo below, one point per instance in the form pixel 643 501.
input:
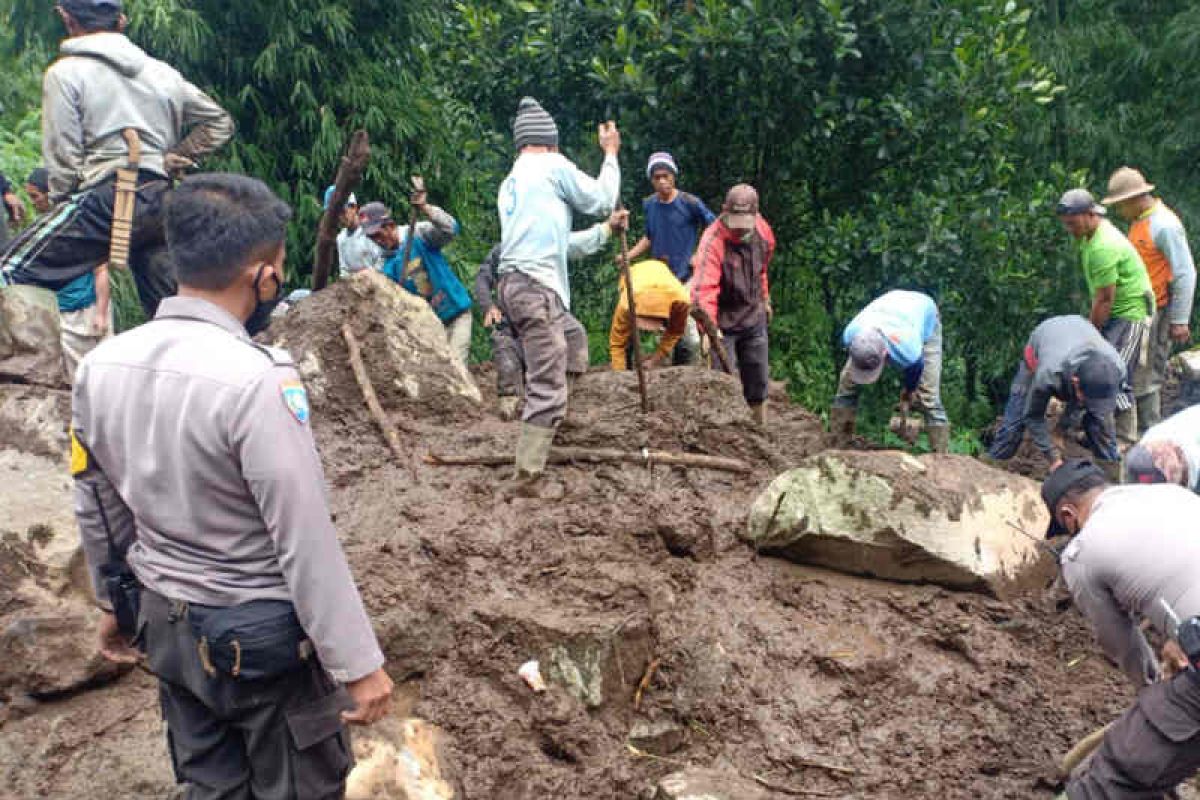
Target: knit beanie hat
pixel 661 160
pixel 533 125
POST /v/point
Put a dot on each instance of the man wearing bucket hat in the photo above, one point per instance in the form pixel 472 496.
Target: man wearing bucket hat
pixel 1121 298
pixel 1066 358
pixel 356 252
pixel 903 328
pixel 731 286
pixel 1168 453
pixel 1134 554
pixel 1161 241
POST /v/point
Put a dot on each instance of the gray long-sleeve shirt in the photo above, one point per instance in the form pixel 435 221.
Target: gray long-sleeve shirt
pixel 1058 346
pixel 1140 547
pixel 102 84
pixel 206 468
pixel 1171 240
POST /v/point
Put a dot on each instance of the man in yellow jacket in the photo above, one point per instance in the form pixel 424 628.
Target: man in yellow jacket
pixel 663 304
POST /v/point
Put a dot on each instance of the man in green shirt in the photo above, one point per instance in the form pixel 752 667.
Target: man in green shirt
pixel 1121 297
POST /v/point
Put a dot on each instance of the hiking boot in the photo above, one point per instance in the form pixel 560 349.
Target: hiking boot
pixel 841 424
pixel 758 412
pixel 533 449
pixel 939 438
pixel 507 405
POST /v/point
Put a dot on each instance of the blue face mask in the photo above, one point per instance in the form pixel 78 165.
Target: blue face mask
pixel 260 318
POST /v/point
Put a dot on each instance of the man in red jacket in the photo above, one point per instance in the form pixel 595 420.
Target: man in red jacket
pixel 730 283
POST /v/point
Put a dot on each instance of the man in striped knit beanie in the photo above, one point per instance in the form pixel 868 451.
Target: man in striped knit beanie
pixel 536 202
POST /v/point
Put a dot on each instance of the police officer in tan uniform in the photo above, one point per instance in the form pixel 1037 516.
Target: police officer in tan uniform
pixel 195 465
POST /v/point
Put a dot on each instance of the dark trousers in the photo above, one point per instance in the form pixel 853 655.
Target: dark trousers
pixel 1099 433
pixel 278 738
pixel 553 342
pixel 509 361
pixel 748 354
pixel 1151 748
pixel 74 238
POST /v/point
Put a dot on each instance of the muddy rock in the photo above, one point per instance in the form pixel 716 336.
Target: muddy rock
pixel 30 349
pixel 48 656
pixel 400 759
pixel 35 419
pixel 658 737
pixel 403 347
pixel 941 519
pixel 35 494
pixel 707 784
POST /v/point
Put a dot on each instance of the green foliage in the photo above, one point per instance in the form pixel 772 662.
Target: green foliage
pixel 894 145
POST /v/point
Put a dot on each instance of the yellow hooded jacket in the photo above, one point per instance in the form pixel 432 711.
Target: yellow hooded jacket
pixel 658 295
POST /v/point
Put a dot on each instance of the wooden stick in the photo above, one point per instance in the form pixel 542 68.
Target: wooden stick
pixel 349 174
pixel 776 787
pixel 368 393
pixel 644 683
pixel 714 337
pixel 418 185
pixel 637 341
pixel 568 455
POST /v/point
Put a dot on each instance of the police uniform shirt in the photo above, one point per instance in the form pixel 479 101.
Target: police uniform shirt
pixel 196 442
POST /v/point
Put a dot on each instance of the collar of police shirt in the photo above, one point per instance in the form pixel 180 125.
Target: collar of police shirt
pixel 196 308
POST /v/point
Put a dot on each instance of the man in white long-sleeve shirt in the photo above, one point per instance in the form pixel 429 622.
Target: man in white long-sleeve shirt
pixel 101 85
pixel 1162 243
pixel 1134 554
pixel 536 203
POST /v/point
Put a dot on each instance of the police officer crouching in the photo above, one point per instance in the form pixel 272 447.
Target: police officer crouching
pixel 1135 553
pixel 197 480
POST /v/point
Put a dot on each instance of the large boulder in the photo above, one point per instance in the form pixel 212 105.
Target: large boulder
pixel 949 520
pixel 49 656
pixel 35 419
pixel 30 337
pixel 400 759
pixel 403 344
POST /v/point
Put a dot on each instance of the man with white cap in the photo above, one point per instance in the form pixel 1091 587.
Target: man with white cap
pixel 1161 241
pixel 1065 358
pixel 536 203
pixel 1134 555
pixel 731 286
pixel 1169 452
pixel 356 251
pixel 1122 301
pixel 903 328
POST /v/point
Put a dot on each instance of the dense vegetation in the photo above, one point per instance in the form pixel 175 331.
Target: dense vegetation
pixel 917 144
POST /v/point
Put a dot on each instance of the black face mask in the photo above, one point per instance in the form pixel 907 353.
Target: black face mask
pixel 260 318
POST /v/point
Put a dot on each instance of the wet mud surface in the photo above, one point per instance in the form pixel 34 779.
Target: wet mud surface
pixel 816 683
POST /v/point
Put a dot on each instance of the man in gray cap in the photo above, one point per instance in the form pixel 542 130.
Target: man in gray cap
pixel 1161 241
pixel 1134 554
pixel 730 284
pixel 200 500
pixel 101 86
pixel 905 329
pixel 536 202
pixel 1122 301
pixel 1066 358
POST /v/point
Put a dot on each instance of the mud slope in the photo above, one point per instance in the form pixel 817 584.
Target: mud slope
pixel 810 680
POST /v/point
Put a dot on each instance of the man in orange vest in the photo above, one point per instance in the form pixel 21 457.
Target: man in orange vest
pixel 1162 243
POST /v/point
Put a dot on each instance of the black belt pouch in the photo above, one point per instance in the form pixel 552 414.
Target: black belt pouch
pixel 250 641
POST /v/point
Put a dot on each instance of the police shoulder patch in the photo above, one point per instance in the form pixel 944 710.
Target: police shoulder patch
pixel 296 400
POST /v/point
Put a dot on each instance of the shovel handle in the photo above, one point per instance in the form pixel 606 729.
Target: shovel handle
pixel 134 143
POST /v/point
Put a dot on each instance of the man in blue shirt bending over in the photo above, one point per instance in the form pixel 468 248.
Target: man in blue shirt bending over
pixel 904 328
pixel 427 273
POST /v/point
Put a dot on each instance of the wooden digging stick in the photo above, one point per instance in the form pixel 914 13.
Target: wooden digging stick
pixel 124 202
pixel 349 175
pixel 598 455
pixel 714 337
pixel 418 185
pixel 368 393
pixel 627 274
